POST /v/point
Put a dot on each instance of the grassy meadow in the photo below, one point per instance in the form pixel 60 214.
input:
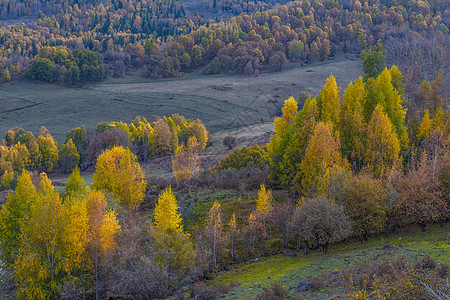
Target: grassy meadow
pixel 222 102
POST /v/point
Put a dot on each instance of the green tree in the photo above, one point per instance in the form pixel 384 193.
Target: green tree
pixel 75 187
pixel 365 200
pixel 373 60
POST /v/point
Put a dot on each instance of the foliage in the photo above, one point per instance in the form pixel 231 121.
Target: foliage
pixel 373 60
pixel 17 206
pixel 173 248
pixel 75 187
pixel 382 146
pixel 253 157
pixel 68 156
pixel 320 221
pixel 365 202
pixel 321 156
pixel 119 172
pixel 52 242
pixel 186 163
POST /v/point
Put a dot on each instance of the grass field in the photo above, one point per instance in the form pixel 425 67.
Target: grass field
pixel 288 270
pixel 222 102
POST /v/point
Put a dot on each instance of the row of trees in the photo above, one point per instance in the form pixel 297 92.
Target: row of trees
pixel 166 136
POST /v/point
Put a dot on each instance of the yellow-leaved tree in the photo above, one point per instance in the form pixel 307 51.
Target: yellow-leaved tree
pixel 329 102
pixel 17 206
pixel 233 232
pixel 173 248
pixel 102 231
pixel 322 154
pixel 52 244
pixel 118 172
pixel 264 204
pixel 382 146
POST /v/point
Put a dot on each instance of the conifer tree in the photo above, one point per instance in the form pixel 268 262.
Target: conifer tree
pixel 329 102
pixel 382 146
pixel 322 153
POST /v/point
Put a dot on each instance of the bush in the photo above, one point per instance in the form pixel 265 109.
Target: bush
pixel 254 157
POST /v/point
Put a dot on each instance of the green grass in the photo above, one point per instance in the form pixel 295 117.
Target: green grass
pixel 286 270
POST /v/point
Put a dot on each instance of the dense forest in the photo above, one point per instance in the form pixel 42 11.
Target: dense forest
pixel 346 165
pixel 159 39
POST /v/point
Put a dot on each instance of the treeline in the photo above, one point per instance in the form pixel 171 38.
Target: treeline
pixel 244 44
pixel 22 150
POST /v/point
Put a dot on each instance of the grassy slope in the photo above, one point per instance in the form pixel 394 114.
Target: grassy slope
pixel 289 270
pixel 220 101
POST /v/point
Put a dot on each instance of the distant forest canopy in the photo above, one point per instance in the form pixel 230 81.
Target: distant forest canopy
pixel 166 40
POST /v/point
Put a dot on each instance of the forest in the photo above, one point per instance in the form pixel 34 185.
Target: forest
pixel 348 165
pixel 160 39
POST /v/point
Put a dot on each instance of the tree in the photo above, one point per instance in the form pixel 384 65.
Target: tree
pixel 322 154
pixel 279 141
pixel 6 75
pixel 365 202
pixel 426 126
pixel 48 150
pixel 52 243
pixel 233 232
pixel 321 221
pixel 329 102
pixel 382 146
pixel 373 60
pixel 17 206
pixel 352 124
pixel 186 162
pixel 75 187
pixel 68 156
pixel 422 198
pixel 119 172
pixel 103 228
pixel 214 232
pixel 173 248
pixel 280 216
pixel 41 69
pixel 264 204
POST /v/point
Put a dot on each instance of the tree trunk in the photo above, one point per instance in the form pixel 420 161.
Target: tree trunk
pixel 325 248
pixel 387 229
pixel 422 227
pixel 365 237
